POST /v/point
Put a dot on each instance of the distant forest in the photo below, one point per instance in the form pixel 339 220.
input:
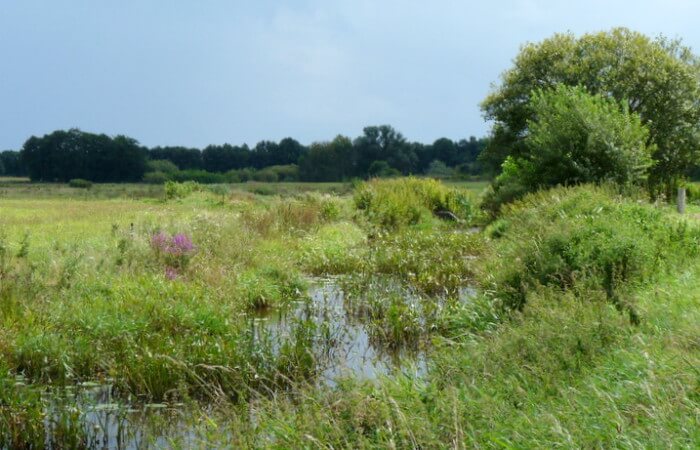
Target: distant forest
pixel 380 151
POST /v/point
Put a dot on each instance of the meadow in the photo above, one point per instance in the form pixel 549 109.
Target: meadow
pixel 389 313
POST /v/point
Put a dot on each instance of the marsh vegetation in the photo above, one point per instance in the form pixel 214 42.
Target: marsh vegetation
pixel 223 317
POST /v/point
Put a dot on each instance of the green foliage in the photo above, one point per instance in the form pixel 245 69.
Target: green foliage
pixel 580 138
pixel 407 201
pixel 439 170
pixel 658 79
pixel 692 192
pixel 269 287
pixel 382 169
pixel 175 190
pixel 65 155
pixel 575 138
pixel 586 240
pixel 79 303
pixel 198 176
pixel 336 248
pixel 156 177
pixel 328 161
pixel 265 175
pixel 80 183
pixel 162 165
pixel 431 261
pixel 288 172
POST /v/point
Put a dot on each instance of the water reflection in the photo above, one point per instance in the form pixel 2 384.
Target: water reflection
pixel 343 346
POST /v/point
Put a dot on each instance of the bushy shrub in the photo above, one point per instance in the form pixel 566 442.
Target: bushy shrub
pixel 439 170
pixel 575 138
pixel 175 190
pixel 266 175
pixel 288 172
pixel 232 176
pixel 199 176
pixel 80 183
pixel 585 239
pixel 398 202
pixel 382 169
pixel 162 165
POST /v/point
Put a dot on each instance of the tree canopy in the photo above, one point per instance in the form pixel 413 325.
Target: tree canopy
pixel 379 151
pixel 66 155
pixel 658 79
pixel 576 138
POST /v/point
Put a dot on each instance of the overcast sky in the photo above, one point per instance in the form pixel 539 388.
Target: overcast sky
pixel 176 72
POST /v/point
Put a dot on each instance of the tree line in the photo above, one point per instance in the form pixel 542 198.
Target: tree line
pixel 380 151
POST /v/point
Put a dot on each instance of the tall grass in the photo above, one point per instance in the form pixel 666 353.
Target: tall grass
pixel 399 202
pixel 587 240
pixel 540 357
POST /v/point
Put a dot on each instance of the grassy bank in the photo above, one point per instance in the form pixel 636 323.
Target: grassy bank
pixel 209 319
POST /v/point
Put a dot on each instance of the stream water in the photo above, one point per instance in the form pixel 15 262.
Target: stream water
pixel 346 348
pixel 342 348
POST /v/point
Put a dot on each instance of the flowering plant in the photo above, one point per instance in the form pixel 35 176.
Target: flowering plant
pixel 174 251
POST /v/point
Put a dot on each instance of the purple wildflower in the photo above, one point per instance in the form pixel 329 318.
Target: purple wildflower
pixel 159 241
pixel 181 244
pixel 173 252
pixel 171 273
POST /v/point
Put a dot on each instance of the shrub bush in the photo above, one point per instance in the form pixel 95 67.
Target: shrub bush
pixel 232 176
pixel 266 175
pixel 439 170
pixel 80 183
pixel 576 138
pixel 162 165
pixel 289 172
pixel 199 176
pixel 586 239
pixel 175 190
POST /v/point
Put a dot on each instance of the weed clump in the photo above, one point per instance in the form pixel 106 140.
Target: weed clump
pixel 393 203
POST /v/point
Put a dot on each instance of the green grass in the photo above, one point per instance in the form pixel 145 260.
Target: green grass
pixel 84 298
pixel 22 188
pixel 17 187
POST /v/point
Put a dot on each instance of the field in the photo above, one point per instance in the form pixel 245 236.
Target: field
pixel 331 315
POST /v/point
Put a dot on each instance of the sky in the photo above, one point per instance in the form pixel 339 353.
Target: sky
pixel 193 73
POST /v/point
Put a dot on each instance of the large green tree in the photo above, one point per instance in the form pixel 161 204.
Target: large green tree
pixel 657 79
pixel 384 143
pixel 328 161
pixel 12 163
pixel 64 155
pixel 576 138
